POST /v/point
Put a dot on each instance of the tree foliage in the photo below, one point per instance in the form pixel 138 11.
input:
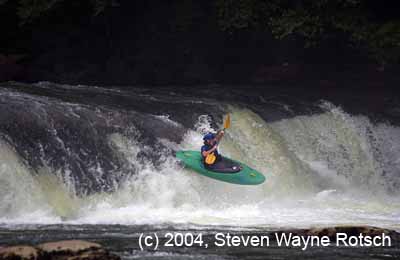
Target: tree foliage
pixel 30 10
pixel 315 21
pixel 311 20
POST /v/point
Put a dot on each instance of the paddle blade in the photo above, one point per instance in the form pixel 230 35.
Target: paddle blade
pixel 227 122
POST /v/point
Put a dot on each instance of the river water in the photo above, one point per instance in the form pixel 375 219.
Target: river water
pixel 98 163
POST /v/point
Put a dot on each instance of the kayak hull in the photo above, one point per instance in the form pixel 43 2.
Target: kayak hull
pixel 246 176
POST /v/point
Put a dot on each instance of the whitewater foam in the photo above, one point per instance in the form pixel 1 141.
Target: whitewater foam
pixel 321 169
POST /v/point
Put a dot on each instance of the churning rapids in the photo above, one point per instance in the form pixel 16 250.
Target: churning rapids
pixel 88 155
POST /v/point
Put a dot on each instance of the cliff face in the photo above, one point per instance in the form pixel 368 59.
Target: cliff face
pixel 155 42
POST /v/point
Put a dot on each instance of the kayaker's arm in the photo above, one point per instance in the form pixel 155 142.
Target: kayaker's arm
pixel 219 136
pixel 205 153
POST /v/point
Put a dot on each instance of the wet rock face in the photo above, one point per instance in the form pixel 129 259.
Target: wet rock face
pixel 68 249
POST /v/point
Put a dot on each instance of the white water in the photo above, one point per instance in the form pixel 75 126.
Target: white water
pixel 330 168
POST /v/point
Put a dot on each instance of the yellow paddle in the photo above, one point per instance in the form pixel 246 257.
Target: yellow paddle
pixel 227 122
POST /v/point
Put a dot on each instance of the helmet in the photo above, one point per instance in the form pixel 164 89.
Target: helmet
pixel 208 136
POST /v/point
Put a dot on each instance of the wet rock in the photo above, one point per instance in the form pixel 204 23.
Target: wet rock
pixel 349 230
pixel 68 246
pixel 75 249
pixel 19 252
pixel 60 250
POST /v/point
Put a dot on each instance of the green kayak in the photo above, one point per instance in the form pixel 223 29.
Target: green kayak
pixel 232 171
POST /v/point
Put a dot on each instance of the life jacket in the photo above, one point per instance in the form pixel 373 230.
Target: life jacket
pixel 211 157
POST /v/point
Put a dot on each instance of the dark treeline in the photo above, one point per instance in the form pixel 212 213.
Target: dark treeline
pixel 195 42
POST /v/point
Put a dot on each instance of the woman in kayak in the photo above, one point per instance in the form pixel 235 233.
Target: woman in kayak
pixel 209 150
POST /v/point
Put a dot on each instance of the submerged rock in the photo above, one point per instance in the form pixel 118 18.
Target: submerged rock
pixel 60 250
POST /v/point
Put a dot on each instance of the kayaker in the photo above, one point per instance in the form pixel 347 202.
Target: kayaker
pixel 209 150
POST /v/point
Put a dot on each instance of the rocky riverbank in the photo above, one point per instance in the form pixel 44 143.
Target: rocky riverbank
pixel 79 249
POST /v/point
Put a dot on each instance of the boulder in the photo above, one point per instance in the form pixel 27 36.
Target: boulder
pixel 19 252
pixel 75 250
pixel 349 230
pixel 68 247
pixel 60 250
